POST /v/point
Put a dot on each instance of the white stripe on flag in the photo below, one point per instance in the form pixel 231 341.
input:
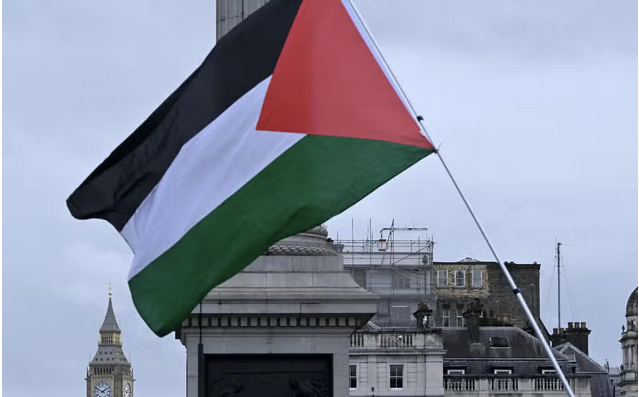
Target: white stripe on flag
pixel 210 168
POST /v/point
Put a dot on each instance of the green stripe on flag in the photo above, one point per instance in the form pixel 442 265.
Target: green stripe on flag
pixel 316 179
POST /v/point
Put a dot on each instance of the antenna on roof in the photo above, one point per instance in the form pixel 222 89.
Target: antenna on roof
pixel 558 258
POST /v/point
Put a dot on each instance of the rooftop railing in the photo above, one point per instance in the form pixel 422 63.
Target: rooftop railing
pixel 472 385
pixel 382 252
pixel 398 340
pixel 548 383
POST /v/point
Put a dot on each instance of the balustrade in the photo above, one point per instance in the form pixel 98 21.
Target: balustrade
pixel 460 383
pixel 504 384
pixel 388 339
pixel 548 384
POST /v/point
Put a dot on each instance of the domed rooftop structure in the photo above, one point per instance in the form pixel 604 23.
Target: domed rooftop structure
pixel 313 242
pixel 631 307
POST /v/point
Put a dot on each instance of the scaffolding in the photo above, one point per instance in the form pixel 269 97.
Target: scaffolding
pixel 397 266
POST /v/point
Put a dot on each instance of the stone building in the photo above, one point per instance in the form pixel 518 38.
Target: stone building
pixel 404 274
pixel 109 373
pixel 396 362
pixel 628 376
pixel 474 360
pixel 457 284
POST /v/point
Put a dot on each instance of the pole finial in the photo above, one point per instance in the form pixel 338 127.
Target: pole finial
pixel 110 289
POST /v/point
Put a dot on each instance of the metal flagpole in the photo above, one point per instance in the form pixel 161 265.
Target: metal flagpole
pixel 509 278
pixel 201 373
pixel 558 285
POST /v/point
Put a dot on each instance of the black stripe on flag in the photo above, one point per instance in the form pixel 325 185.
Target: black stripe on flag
pixel 244 57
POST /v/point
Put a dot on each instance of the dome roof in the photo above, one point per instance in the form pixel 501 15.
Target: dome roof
pixel 313 242
pixel 631 307
pixel 318 230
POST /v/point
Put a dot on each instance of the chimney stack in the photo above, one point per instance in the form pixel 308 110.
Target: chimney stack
pixel 472 320
pixel 576 333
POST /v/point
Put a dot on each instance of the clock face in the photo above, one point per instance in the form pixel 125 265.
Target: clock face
pixel 126 391
pixel 102 389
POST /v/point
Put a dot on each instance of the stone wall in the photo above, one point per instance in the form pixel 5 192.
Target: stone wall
pixel 502 300
pixel 419 353
pixel 494 293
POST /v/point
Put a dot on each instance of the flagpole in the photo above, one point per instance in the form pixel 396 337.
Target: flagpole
pixel 201 373
pixel 503 267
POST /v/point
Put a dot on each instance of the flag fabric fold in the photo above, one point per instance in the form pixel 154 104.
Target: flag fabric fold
pixel 290 120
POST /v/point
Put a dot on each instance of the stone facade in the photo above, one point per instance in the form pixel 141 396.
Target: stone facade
pixel 493 292
pixel 628 376
pixel 396 363
pixel 297 299
pixel 448 362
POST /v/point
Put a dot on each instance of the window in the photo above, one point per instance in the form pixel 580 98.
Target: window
pixel 503 371
pixel 460 315
pixel 352 376
pixel 456 371
pixel 446 317
pixel 477 279
pixel 498 341
pixel 396 376
pixel 442 278
pixel 400 314
pixel 548 371
pixel 460 278
pixel 401 281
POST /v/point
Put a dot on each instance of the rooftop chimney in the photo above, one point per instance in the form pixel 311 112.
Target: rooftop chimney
pixel 576 334
pixel 472 320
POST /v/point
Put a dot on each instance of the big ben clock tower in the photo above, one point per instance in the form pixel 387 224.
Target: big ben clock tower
pixel 109 373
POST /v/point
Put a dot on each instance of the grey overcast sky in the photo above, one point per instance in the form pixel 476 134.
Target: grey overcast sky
pixel 533 102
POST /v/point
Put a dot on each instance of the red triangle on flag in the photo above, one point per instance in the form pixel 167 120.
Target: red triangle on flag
pixel 327 82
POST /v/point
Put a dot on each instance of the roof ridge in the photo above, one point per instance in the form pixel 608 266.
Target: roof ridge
pixel 565 345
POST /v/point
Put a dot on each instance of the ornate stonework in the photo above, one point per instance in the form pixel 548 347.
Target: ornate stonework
pixel 109 373
pixel 313 242
pixel 628 376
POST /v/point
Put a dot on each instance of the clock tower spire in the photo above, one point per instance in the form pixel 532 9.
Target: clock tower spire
pixel 109 373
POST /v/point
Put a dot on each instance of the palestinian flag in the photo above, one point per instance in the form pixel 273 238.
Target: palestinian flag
pixel 290 120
